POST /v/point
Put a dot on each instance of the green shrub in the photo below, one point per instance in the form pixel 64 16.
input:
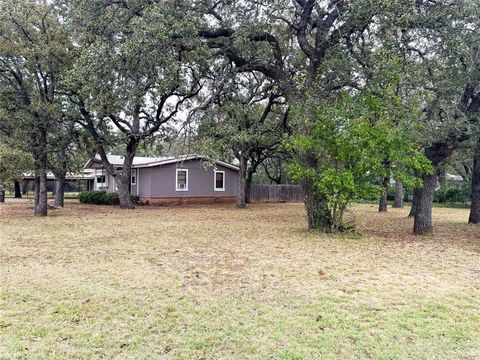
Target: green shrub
pixel 452 195
pixel 135 199
pixel 111 199
pixel 92 197
pixel 102 198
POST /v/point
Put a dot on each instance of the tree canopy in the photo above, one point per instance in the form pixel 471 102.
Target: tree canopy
pixel 346 94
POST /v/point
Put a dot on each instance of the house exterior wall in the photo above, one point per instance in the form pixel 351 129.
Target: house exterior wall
pixel 111 183
pixel 144 181
pixel 97 186
pixel 133 187
pixel 160 181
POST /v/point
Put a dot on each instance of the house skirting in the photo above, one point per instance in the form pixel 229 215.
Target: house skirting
pixel 156 200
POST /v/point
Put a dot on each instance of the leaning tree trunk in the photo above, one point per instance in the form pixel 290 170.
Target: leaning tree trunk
pixel 2 196
pixel 399 193
pixel 382 206
pixel 60 190
pixel 423 212
pixel 242 181
pixel 18 191
pixel 474 217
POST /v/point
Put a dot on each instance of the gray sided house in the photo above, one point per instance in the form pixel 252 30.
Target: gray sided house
pixel 184 179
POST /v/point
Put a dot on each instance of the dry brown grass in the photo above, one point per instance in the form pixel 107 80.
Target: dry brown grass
pixel 217 282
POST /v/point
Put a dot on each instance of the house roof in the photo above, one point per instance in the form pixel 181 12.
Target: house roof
pixel 142 162
pixel 84 175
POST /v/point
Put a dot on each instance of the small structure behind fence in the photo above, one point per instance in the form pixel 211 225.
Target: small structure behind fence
pixel 276 193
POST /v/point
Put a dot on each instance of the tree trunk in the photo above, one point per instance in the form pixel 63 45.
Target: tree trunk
pixel 242 181
pixel 59 169
pixel 36 191
pixel 437 153
pixel 474 217
pixel 254 163
pixel 423 212
pixel 399 194
pixel 318 215
pixel 124 196
pixel 42 207
pixel 25 187
pixel 123 179
pixel 2 196
pixel 41 191
pixel 382 206
pixel 415 197
pixel 60 190
pixel 248 186
pixel 18 191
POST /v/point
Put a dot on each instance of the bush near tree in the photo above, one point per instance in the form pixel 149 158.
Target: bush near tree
pixel 103 198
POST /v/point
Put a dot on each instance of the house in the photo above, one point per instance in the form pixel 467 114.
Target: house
pixel 75 182
pixel 179 179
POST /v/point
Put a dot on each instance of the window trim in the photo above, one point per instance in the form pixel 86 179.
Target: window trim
pixel 215 180
pixel 133 171
pixel 176 179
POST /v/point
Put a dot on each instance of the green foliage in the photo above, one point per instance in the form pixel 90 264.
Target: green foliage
pixel 247 117
pixel 132 63
pixel 452 195
pixel 13 163
pixel 92 197
pixel 102 198
pixel 35 54
pixel 135 199
pixel 351 141
pixel 111 199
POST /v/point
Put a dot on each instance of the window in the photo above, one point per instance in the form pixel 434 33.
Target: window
pixel 101 181
pixel 219 180
pixel 182 180
pixel 133 177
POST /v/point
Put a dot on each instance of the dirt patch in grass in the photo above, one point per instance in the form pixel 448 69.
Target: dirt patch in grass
pixel 212 282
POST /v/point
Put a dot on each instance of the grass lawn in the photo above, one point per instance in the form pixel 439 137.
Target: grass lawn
pixel 214 282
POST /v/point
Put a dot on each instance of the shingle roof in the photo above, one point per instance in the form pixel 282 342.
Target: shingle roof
pixel 140 162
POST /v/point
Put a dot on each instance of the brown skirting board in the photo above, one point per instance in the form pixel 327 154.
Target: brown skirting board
pixel 155 200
